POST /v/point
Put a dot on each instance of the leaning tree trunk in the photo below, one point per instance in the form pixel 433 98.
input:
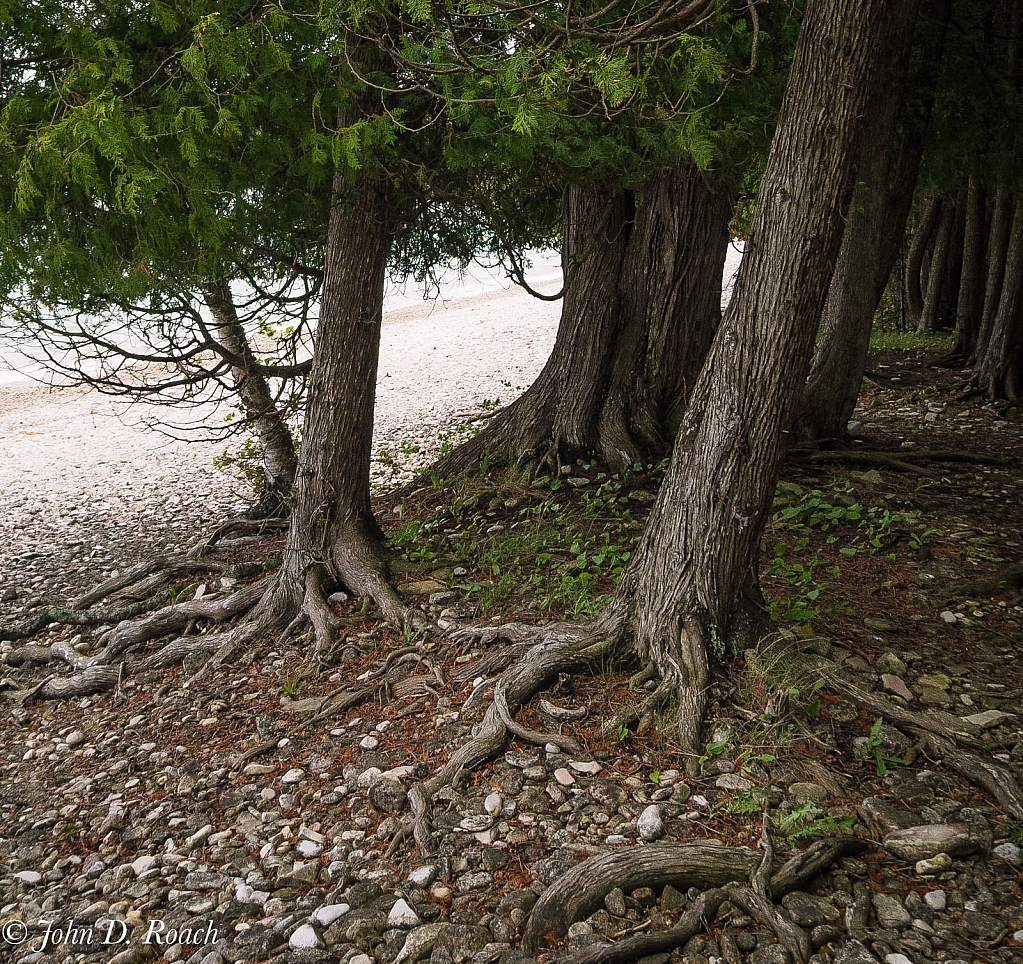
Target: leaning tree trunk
pixel 997 256
pixel 889 161
pixel 334 539
pixel 671 304
pixel 642 302
pixel 999 371
pixel 276 443
pixel 915 261
pixel 930 316
pixel 692 585
pixel 968 305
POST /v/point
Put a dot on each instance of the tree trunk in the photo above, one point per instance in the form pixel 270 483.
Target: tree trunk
pixel 968 306
pixel 889 160
pixel 334 538
pixel 692 586
pixel 997 255
pixel 671 303
pixel 915 261
pixel 642 301
pixel 999 370
pixel 278 447
pixel 930 316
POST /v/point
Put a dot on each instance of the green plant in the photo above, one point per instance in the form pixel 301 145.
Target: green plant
pixel 874 750
pixel 292 686
pixel 805 820
pixel 622 733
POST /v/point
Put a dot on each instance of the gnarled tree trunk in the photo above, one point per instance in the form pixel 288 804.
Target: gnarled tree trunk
pixel 334 539
pixel 276 443
pixel 888 163
pixel 692 585
pixel 930 316
pixel 997 255
pixel 999 370
pixel 971 290
pixel 671 305
pixel 922 232
pixel 642 302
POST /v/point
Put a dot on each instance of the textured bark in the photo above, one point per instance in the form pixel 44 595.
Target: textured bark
pixel 692 586
pixel 997 254
pixel 971 289
pixel 922 232
pixel 642 302
pixel 937 276
pixel 888 163
pixel 278 447
pixel 671 305
pixel 333 537
pixel 999 370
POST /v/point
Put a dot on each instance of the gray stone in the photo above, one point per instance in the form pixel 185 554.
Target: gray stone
pixel 295 775
pixel 896 685
pixel 935 899
pixel 807 793
pixel 388 795
pixel 853 952
pixel 732 781
pixel 564 776
pixel 987 718
pixel 923 842
pixel 771 954
pixel 1010 853
pixel 650 825
pixel 807 910
pixel 614 901
pixel 890 912
pixel 934 865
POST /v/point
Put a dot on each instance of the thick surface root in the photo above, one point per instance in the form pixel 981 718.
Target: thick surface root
pixel 561 649
pixel 998 780
pixel 704 863
pixel 30 625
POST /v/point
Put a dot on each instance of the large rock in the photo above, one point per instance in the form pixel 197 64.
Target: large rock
pixel 921 843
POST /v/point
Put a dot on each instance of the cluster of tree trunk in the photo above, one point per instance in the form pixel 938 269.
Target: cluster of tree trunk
pixel 643 359
pixel 642 301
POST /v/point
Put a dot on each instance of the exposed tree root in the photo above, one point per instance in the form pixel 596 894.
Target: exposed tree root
pixel 70 617
pixel 693 920
pixel 703 863
pixel 92 680
pixel 996 779
pixel 562 649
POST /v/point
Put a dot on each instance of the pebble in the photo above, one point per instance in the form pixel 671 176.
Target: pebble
pixel 305 937
pixel 1010 853
pixel 564 777
pixel 650 823
pixel 293 776
pixel 935 899
pixel 401 915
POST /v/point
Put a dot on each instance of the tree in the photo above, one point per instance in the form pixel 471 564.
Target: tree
pixel 691 590
pixel 889 154
pixel 127 216
pixel 647 200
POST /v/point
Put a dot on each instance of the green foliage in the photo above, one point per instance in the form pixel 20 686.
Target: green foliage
pixel 874 750
pixel 292 686
pixel 806 820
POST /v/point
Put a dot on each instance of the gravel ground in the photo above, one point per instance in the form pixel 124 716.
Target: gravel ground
pixel 87 488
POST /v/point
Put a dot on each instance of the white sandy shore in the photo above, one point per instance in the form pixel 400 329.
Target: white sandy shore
pixel 85 487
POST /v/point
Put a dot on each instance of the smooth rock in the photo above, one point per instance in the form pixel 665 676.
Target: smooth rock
pixel 987 718
pixel 935 899
pixel 564 777
pixel 1010 853
pixel 650 824
pixel 890 912
pixel 305 937
pixel 935 865
pixel 401 915
pixel 732 781
pixel 924 842
pixel 328 913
